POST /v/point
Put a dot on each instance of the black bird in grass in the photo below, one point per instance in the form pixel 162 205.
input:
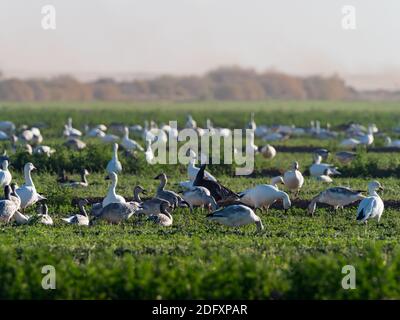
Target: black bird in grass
pixel 220 193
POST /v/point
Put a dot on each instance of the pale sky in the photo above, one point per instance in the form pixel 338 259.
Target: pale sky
pixel 194 36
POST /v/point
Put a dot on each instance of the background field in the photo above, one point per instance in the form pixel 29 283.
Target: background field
pixel 297 256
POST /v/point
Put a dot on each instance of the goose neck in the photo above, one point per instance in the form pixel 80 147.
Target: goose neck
pixel 28 177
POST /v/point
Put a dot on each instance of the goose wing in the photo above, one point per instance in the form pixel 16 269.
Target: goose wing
pixel 366 208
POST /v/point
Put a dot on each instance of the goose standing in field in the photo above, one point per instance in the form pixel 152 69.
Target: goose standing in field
pixel 111 196
pixel 18 217
pixel 367 139
pixel 193 170
pixel 149 207
pixel 81 219
pixel 345 157
pixel 268 151
pixel 252 124
pixel 371 206
pixel 190 123
pixel 293 179
pixel 220 193
pixel 75 184
pixel 236 215
pixel 27 192
pixel 70 131
pixel 318 168
pixel 200 197
pixel 110 138
pixel 129 144
pixel 263 196
pixel 172 197
pixel 5 175
pixel 8 207
pixel 114 165
pixel 335 197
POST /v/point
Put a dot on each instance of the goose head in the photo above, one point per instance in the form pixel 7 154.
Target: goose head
pixel 7 192
pixel 29 167
pixel 388 141
pixel 115 147
pixel 139 189
pixel 373 186
pixel 295 165
pixel 277 180
pixel 4 164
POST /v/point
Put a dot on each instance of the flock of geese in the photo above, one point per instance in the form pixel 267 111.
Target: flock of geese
pixel 202 189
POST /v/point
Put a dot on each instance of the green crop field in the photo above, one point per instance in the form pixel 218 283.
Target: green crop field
pixel 296 256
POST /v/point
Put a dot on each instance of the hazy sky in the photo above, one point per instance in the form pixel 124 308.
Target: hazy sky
pixel 193 36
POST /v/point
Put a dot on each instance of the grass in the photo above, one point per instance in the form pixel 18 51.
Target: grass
pixel 297 256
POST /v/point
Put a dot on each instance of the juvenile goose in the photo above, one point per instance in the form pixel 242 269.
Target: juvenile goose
pixel 318 168
pixel 172 197
pixel 263 195
pixel 115 213
pixel 149 207
pixel 76 184
pixel 371 206
pixel 335 197
pixel 293 179
pixel 5 175
pixel 81 218
pixel 193 170
pixel 129 144
pixel 27 192
pixel 43 217
pixel 111 196
pixel 200 197
pixel 8 207
pixel 114 165
pixel 164 218
pixel 219 192
pixel 236 215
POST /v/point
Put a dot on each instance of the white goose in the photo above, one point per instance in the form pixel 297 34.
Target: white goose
pixel 27 192
pixel 114 165
pixel 268 151
pixel 236 215
pixel 325 178
pixel 5 175
pixel 350 143
pixel 392 143
pixel 149 154
pixel 111 196
pixel 129 144
pixel 199 197
pixel 193 170
pixel 70 131
pixel 335 197
pixel 372 206
pixel 293 179
pixel 263 196
pixel 318 168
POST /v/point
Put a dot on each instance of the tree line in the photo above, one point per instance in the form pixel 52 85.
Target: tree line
pixel 225 83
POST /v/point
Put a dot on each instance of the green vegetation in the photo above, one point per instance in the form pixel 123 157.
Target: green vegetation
pixel 297 256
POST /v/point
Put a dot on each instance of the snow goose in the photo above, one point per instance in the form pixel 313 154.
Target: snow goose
pixel 193 170
pixel 371 206
pixel 293 179
pixel 164 218
pixel 268 151
pixel 263 196
pixel 71 131
pixel 111 196
pixel 149 207
pixel 345 157
pixel 48 151
pixel 110 138
pixel 149 154
pixel 368 138
pixel 219 192
pixel 252 124
pixel 114 165
pixel 236 215
pixel 277 180
pixel 129 144
pixel 74 144
pixel 43 217
pixel 80 219
pixel 27 192
pixel 318 168
pixel 335 197
pixel 200 197
pixel 190 123
pixel 115 213
pixel 7 206
pixel 5 175
pixel 77 184
pixel 172 197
